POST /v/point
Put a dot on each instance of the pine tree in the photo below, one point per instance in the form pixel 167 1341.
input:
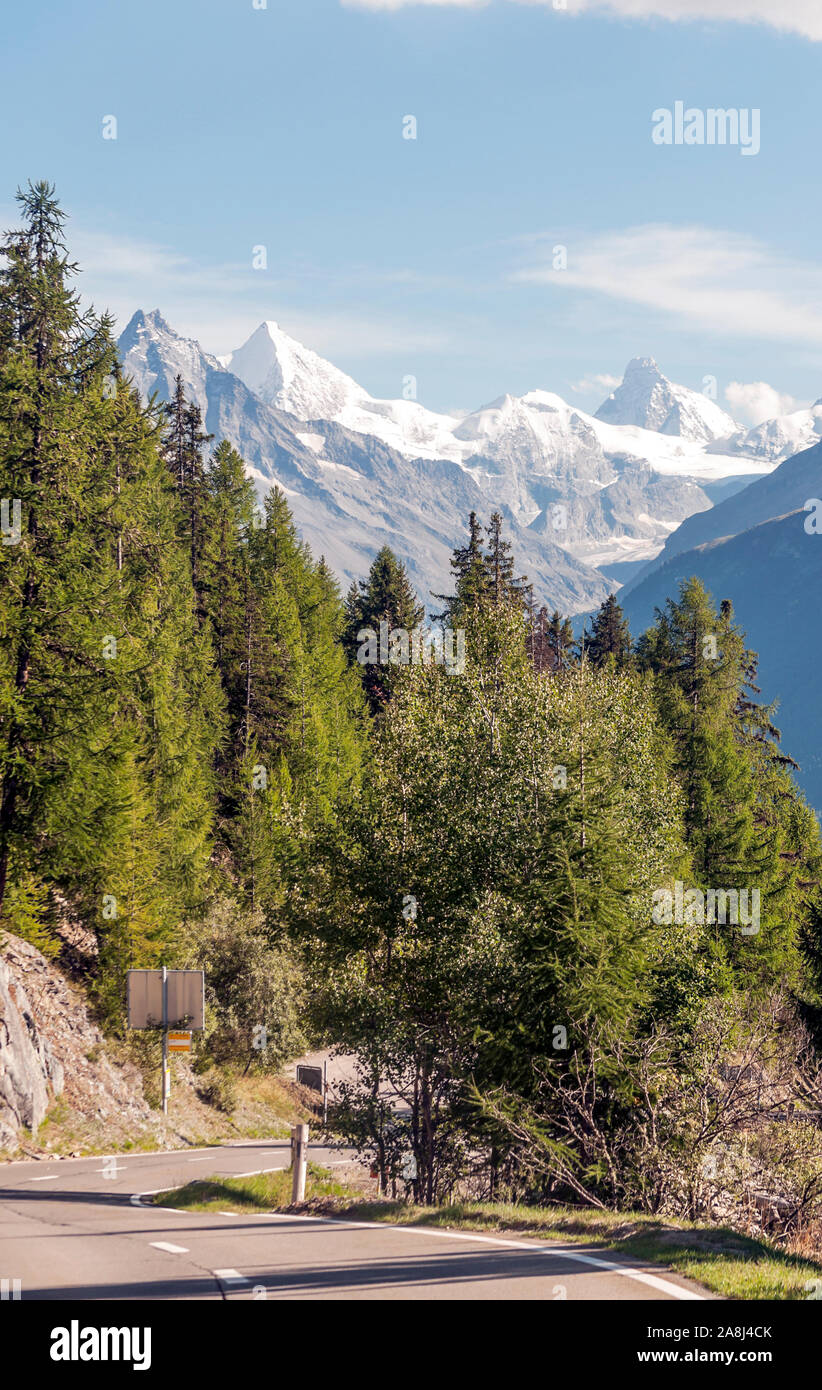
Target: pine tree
pixel 183 448
pixel 698 685
pixel 470 577
pixel 609 639
pixel 225 566
pixel 585 952
pixel 59 579
pixel 745 826
pixel 110 708
pixel 384 601
pixel 503 585
pixel 559 638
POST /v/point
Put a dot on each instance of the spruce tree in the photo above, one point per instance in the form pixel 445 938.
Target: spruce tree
pixel 503 584
pixel 382 602
pixel 112 710
pixel 559 639
pixel 59 578
pixel 609 639
pixel 471 581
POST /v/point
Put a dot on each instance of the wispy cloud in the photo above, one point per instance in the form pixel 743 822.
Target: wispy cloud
pixel 792 16
pixel 719 282
pixel 220 304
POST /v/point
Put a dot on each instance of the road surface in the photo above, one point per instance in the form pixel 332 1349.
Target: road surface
pixel 75 1229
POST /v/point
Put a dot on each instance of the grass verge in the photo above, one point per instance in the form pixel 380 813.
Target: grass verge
pixel 261 1192
pixel 726 1263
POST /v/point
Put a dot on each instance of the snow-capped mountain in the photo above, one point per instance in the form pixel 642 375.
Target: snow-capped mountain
pixel 350 492
pixel 580 493
pixel 156 353
pixel 527 452
pixel 648 399
pixel 778 439
pixel 291 377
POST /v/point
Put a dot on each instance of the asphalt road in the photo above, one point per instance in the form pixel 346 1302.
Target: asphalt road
pixel 75 1229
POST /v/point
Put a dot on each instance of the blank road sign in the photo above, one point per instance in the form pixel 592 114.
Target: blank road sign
pixel 186 999
pixel 310 1076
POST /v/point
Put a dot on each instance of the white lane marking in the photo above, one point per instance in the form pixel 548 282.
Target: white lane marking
pixel 157 1153
pixel 663 1285
pixel 651 1280
pixel 47 1177
pixel 172 1249
pixel 199 1160
pixel 281 1167
pixel 230 1276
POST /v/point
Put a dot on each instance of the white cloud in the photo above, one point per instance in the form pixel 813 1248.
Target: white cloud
pixel 792 16
pixel 717 281
pixel 755 401
pixel 600 382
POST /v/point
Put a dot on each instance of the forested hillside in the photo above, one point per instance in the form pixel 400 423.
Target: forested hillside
pixel 564 899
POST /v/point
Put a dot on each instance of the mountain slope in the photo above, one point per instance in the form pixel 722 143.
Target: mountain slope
pixel 773 575
pixel 787 488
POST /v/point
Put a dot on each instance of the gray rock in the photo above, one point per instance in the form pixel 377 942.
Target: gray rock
pixel 30 1074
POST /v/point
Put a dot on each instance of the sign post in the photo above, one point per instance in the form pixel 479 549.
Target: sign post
pixel 299 1161
pixel 167 999
pixel 166 1077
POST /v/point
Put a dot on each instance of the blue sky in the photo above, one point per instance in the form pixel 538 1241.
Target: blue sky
pixel 283 127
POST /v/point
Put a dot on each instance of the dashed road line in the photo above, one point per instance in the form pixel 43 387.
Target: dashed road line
pixel 230 1276
pixel 171 1249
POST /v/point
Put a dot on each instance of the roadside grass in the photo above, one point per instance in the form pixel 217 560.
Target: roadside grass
pixel 261 1192
pixel 725 1262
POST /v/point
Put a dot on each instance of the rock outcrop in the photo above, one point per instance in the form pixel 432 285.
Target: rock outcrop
pixel 49 1047
pixel 30 1074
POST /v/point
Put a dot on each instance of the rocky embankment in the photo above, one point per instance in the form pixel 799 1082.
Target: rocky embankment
pixel 50 1048
pixel 66 1090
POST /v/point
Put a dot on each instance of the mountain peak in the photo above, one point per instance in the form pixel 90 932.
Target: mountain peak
pixel 155 352
pixel 289 376
pixel 648 400
pixel 643 366
pixel 151 318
